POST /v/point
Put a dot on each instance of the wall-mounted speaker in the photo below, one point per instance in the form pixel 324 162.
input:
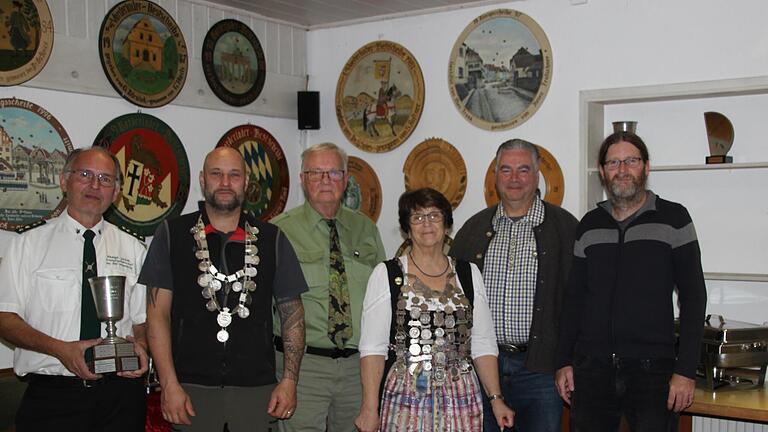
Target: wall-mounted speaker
pixel 309 109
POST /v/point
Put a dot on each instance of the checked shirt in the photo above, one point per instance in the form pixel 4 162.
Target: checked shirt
pixel 510 272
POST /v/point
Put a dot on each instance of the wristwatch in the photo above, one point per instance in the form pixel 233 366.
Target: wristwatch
pixel 493 397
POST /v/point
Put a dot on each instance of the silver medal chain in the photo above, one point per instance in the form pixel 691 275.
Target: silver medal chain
pixel 212 280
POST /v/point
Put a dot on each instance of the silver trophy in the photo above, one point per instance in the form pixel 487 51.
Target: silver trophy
pixel 113 354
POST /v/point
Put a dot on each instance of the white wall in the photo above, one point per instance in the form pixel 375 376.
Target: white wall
pixel 600 44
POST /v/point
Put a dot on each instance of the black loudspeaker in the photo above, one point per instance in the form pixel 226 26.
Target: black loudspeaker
pixel 309 109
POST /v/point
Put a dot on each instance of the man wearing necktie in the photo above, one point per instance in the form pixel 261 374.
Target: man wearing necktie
pixel 47 310
pixel 338 248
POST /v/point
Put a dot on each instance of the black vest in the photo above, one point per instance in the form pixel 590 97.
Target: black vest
pixel 247 358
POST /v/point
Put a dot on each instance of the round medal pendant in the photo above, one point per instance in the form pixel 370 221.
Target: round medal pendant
pixel 211 305
pixel 415 313
pixel 237 286
pixel 204 266
pixel 250 285
pixel 415 349
pixel 222 336
pixel 414 332
pixel 206 293
pixel 450 321
pixel 215 284
pixel 243 312
pixel 427 365
pixel 426 333
pixel 199 254
pixel 204 279
pixel 250 272
pixel 256 260
pixel 424 318
pixel 225 318
pixel 426 349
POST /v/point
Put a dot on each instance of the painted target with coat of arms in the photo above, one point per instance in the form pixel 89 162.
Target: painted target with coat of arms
pixel 155 171
pixel 266 168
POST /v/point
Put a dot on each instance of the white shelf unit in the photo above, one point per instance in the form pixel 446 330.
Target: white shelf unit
pixel 593 124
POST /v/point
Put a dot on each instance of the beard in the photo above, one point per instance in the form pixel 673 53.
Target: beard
pixel 625 192
pixel 224 206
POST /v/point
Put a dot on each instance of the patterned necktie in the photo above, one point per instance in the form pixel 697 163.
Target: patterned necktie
pixel 339 314
pixel 89 324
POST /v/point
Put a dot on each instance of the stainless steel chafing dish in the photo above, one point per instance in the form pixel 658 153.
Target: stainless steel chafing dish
pixel 733 352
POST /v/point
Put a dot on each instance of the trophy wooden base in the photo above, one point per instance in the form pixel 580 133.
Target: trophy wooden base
pixel 719 159
pixel 113 357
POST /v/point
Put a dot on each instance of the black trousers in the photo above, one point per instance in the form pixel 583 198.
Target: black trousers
pixel 61 403
pixel 607 389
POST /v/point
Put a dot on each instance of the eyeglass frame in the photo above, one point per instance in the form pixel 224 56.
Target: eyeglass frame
pixel 86 176
pixel 312 175
pixel 420 218
pixel 630 162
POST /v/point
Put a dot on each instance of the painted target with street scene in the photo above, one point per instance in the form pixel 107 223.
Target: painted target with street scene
pixel 143 53
pixel 33 149
pixel 155 171
pixel 26 39
pixel 379 96
pixel 233 62
pixel 500 69
pixel 266 168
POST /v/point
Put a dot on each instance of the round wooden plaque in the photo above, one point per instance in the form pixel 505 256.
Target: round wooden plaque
pixel 437 164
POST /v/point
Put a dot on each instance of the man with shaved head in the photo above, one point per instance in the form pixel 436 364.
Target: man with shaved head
pixel 212 277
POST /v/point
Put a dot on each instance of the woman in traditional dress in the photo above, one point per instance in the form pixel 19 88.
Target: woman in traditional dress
pixel 428 315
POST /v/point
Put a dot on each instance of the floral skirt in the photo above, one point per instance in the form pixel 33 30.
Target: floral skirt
pixel 416 404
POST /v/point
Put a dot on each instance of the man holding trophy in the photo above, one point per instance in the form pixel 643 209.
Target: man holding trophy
pixel 48 310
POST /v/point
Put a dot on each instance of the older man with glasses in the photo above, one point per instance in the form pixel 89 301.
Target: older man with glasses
pixel 48 313
pixel 338 249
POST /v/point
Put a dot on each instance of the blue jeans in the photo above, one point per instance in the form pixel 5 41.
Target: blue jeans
pixel 532 395
pixel 605 389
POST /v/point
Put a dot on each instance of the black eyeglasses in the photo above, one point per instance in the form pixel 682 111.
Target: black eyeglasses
pixel 317 175
pixel 630 162
pixel 86 176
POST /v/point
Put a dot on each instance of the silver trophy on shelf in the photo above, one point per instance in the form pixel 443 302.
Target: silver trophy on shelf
pixel 113 354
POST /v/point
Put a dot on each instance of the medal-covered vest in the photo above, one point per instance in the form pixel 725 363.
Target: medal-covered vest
pixel 247 357
pixel 432 342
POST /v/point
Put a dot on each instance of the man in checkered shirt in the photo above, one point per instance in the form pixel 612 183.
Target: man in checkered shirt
pixel 523 246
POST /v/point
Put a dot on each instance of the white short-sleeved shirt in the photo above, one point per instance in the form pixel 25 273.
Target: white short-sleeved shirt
pixel 41 281
pixel 377 315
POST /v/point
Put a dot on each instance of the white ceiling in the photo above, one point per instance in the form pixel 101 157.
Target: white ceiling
pixel 330 13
